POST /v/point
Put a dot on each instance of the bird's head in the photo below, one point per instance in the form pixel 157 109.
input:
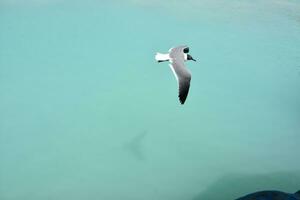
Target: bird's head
pixel 189 57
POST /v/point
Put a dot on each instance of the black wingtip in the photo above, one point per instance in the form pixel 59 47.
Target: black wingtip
pixel 181 100
pixel 183 93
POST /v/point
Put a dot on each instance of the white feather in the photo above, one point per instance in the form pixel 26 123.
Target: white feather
pixel 161 57
pixel 185 56
pixel 173 70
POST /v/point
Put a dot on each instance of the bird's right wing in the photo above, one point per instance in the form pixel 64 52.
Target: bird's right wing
pixel 183 77
pixel 175 51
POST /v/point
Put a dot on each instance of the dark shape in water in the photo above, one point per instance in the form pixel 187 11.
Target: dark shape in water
pixel 231 186
pixel 271 195
pixel 135 146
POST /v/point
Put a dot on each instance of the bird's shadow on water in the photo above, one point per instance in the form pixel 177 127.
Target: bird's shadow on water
pixel 135 146
pixel 233 186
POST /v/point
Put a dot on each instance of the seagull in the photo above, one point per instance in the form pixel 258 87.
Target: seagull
pixel 177 56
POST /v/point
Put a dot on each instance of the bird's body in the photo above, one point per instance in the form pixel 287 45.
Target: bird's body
pixel 177 56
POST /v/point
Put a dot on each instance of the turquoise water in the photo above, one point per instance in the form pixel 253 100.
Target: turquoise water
pixel 87 113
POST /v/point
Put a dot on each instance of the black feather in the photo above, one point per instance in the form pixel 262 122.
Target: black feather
pixel 184 88
pixel 186 50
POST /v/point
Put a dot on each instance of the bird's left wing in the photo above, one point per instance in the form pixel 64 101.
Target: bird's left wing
pixel 183 77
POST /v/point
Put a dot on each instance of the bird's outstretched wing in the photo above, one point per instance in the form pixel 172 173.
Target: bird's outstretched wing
pixel 176 51
pixel 181 73
pixel 183 77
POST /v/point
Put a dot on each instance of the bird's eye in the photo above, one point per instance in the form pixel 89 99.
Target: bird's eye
pixel 186 50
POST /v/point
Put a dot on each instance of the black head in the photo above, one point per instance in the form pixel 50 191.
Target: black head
pixel 186 50
pixel 189 57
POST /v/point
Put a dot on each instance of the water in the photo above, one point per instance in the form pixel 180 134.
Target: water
pixel 87 113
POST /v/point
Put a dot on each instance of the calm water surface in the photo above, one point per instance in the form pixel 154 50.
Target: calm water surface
pixel 87 113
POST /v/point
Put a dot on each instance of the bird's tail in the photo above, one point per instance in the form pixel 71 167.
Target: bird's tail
pixel 160 57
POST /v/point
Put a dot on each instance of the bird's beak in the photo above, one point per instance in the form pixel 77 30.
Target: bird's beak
pixel 189 57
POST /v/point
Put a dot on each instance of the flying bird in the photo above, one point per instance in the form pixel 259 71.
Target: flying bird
pixel 177 56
